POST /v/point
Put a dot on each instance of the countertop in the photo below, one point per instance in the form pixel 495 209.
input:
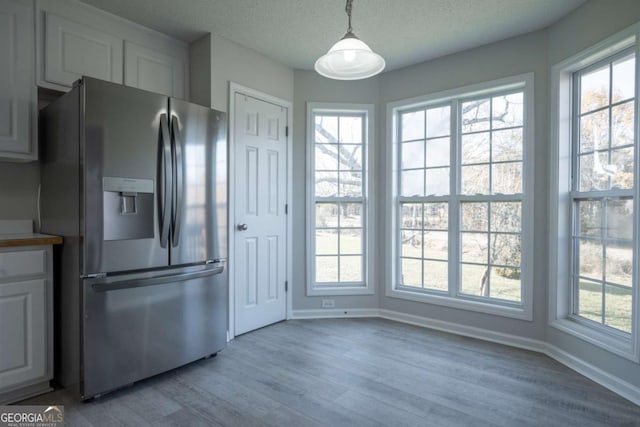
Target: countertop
pixel 28 239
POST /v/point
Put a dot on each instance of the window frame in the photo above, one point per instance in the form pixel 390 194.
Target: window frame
pixel 368 215
pixel 453 297
pixel 563 131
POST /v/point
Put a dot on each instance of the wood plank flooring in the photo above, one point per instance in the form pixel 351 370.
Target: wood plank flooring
pixel 358 372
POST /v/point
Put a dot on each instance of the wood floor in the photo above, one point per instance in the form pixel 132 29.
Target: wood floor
pixel 358 372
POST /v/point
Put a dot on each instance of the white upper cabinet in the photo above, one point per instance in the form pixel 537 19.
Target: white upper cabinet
pixel 74 50
pixel 75 39
pixel 160 72
pixel 17 88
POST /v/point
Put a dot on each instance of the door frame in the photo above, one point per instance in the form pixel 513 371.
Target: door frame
pixel 235 88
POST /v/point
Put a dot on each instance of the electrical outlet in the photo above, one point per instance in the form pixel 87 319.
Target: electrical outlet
pixel 328 303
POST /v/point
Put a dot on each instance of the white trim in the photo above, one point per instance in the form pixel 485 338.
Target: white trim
pixel 611 382
pixel 368 165
pixel 560 223
pixel 233 89
pixel 523 311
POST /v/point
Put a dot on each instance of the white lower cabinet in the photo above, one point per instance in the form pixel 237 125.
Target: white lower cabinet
pixel 26 319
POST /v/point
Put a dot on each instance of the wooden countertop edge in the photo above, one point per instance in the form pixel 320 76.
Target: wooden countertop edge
pixel 30 241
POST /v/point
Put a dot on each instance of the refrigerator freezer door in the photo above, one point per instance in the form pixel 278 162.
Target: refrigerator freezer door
pixel 122 147
pixel 137 326
pixel 199 147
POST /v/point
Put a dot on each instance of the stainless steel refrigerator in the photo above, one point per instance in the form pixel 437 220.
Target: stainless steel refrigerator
pixel 136 184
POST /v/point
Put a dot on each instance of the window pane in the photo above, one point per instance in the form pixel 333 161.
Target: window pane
pixel 475 148
pixel 326 157
pixel 326 215
pixel 350 157
pixel 506 216
pixel 326 269
pixel 436 275
pixel 412 215
pixel 590 300
pixel 436 216
pixel 592 172
pixel 412 126
pixel 507 178
pixel 326 129
pixel 475 216
pixel 619 266
pixel 473 279
pixel 411 274
pixel 618 307
pixel 594 131
pixel 437 181
pixel 412 154
pixel 621 168
pixel 411 243
pixel 436 245
pixel 351 241
pixel 505 284
pixel 475 179
pixel 438 152
pixel 620 219
pixel 624 79
pixel 413 183
pixel 505 249
pixel 474 247
pixel 350 214
pixel 507 110
pixel 622 124
pixel 350 184
pixel 590 212
pixel 326 242
pixel 351 130
pixel 326 184
pixel 594 89
pixel 590 259
pixel 351 269
pixel 506 145
pixel 438 122
pixel 475 115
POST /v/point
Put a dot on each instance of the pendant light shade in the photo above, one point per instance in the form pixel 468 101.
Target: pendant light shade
pixel 350 58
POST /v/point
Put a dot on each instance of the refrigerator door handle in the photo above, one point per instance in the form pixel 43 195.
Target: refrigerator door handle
pixel 152 281
pixel 165 181
pixel 178 183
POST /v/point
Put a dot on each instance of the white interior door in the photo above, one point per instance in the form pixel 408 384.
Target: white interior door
pixel 260 213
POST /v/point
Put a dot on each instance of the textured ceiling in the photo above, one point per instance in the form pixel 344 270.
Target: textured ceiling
pixel 297 32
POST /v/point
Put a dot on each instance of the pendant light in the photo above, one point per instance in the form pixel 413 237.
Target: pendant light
pixel 350 58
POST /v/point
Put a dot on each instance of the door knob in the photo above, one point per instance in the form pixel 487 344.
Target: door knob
pixel 242 227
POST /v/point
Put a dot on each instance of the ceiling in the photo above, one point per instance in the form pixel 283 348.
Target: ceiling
pixel 297 32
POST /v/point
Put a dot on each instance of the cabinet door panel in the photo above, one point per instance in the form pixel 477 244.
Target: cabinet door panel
pixel 23 345
pixel 74 50
pixel 16 80
pixel 154 71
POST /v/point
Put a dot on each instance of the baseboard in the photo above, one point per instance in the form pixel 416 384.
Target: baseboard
pixel 615 384
pixel 335 313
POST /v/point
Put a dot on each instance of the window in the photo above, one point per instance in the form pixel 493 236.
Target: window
pixel 461 179
pixel 338 216
pixel 594 259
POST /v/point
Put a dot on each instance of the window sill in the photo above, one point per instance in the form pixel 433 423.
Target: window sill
pixel 496 309
pixel 609 342
pixel 313 291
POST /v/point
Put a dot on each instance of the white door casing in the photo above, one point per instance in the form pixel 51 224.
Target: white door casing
pixel 260 218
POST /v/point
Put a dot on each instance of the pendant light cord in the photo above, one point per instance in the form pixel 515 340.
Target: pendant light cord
pixel 348 10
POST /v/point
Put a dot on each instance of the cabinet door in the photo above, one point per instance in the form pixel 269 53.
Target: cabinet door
pixel 23 332
pixel 155 71
pixel 73 50
pixel 17 88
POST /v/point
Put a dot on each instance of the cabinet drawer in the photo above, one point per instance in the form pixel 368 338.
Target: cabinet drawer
pixel 24 263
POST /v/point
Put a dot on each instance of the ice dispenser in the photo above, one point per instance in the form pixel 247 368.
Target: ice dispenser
pixel 128 208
